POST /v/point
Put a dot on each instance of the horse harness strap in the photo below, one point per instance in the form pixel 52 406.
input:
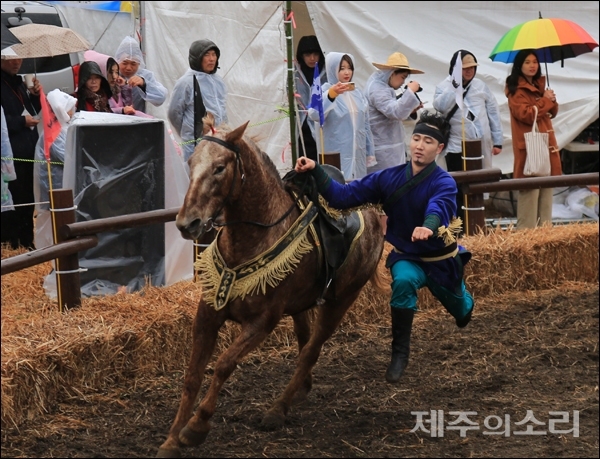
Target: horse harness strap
pixel 269 268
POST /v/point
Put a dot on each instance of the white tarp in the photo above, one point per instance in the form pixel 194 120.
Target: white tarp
pixel 251 37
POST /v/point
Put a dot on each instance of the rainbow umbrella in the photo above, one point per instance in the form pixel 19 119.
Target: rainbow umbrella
pixel 552 39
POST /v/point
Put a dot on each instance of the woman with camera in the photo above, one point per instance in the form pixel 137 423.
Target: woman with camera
pixel 386 112
pixel 346 127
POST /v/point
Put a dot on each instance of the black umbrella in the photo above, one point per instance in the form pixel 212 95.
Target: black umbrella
pixel 8 38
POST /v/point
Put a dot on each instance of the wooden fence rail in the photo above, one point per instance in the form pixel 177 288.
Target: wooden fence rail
pixel 73 237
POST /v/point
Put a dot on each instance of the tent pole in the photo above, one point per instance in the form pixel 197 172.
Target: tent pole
pixel 290 78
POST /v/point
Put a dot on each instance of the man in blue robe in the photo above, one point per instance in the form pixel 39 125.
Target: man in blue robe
pixel 419 199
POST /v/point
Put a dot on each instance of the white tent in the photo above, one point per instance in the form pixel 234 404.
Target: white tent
pixel 251 37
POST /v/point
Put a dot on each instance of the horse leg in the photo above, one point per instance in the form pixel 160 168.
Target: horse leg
pixel 204 337
pixel 251 335
pixel 328 318
pixel 302 331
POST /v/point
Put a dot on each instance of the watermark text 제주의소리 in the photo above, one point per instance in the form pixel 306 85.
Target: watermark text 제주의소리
pixel 435 422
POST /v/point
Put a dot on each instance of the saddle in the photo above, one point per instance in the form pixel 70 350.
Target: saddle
pixel 335 231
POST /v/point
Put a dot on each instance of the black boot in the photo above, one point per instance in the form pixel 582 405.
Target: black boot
pixel 402 320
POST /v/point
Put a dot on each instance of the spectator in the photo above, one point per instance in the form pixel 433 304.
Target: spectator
pixel 93 92
pixel 346 129
pixel 198 91
pixel 145 86
pixel 308 54
pixel 386 111
pixel 64 106
pixel 8 168
pixel 110 70
pixel 481 120
pixel 526 88
pixel 21 107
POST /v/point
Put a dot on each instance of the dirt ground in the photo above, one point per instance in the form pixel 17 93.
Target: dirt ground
pixel 535 351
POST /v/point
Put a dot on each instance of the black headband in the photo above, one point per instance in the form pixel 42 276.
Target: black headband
pixel 426 129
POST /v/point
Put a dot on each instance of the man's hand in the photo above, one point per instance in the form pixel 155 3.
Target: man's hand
pixel 304 164
pixel 30 121
pixel 136 80
pixel 496 151
pixel 35 89
pixel 421 233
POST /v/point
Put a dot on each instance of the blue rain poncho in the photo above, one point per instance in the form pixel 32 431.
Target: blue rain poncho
pixel 212 88
pixel 386 114
pixel 346 129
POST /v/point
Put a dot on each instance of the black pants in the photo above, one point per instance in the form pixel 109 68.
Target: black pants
pixel 454 163
pixel 309 143
pixel 17 225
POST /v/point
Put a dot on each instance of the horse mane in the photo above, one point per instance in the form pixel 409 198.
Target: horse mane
pixel 250 141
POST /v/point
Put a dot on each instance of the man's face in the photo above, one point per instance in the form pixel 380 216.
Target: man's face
pixel 209 61
pixel 397 79
pixel 424 149
pixel 128 68
pixel 11 66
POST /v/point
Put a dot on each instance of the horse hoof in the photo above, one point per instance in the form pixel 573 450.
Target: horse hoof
pixel 163 452
pixel 190 437
pixel 272 421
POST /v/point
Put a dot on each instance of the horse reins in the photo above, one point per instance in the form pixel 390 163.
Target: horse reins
pixel 211 223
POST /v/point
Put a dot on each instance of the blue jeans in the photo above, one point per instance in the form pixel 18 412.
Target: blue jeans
pixel 408 278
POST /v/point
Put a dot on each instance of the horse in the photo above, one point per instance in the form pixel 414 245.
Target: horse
pixel 236 188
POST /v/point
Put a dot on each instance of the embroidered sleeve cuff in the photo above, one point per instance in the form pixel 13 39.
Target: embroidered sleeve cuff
pixel 321 178
pixel 432 222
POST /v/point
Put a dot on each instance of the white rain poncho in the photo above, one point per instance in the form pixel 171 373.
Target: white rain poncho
pixel 483 123
pixel 8 167
pixel 303 91
pixel 61 104
pixel 155 93
pixel 346 129
pixel 386 114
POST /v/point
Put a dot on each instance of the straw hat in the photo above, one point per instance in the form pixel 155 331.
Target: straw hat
pixel 397 61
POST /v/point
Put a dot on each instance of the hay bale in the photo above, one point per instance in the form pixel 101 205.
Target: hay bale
pixel 48 356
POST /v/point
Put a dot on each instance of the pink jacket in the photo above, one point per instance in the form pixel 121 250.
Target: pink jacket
pixel 104 61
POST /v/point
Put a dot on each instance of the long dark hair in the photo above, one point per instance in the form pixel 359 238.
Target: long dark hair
pixel 512 80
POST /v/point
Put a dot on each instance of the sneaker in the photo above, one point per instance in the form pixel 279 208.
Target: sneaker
pixel 462 323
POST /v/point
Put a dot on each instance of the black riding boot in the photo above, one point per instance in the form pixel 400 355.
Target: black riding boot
pixel 402 320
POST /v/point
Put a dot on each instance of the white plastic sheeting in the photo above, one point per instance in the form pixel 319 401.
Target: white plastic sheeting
pixel 251 38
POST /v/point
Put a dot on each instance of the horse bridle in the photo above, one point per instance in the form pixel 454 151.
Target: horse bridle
pixel 211 223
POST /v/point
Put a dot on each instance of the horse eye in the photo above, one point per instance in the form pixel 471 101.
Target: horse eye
pixel 219 169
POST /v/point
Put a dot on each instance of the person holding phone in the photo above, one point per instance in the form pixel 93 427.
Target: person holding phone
pixel 346 129
pixel 386 112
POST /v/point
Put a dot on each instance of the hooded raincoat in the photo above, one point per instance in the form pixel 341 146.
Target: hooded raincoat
pixel 386 114
pixel 86 99
pixel 212 89
pixel 303 79
pixel 482 116
pixel 105 62
pixel 346 129
pixel 154 92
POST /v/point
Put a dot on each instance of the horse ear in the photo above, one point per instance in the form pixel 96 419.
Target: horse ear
pixel 237 133
pixel 208 123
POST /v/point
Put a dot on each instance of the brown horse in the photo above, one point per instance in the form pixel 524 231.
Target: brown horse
pixel 236 187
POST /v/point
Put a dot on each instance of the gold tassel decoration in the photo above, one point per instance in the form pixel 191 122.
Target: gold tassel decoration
pixel 450 233
pixel 270 274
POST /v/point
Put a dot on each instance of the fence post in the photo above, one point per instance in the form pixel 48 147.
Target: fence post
pixel 474 208
pixel 68 284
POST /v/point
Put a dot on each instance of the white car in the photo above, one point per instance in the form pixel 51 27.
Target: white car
pixel 53 72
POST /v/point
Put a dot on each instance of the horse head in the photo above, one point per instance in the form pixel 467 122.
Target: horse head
pixel 216 177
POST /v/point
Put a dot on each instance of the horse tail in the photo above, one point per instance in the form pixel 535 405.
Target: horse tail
pixel 380 283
